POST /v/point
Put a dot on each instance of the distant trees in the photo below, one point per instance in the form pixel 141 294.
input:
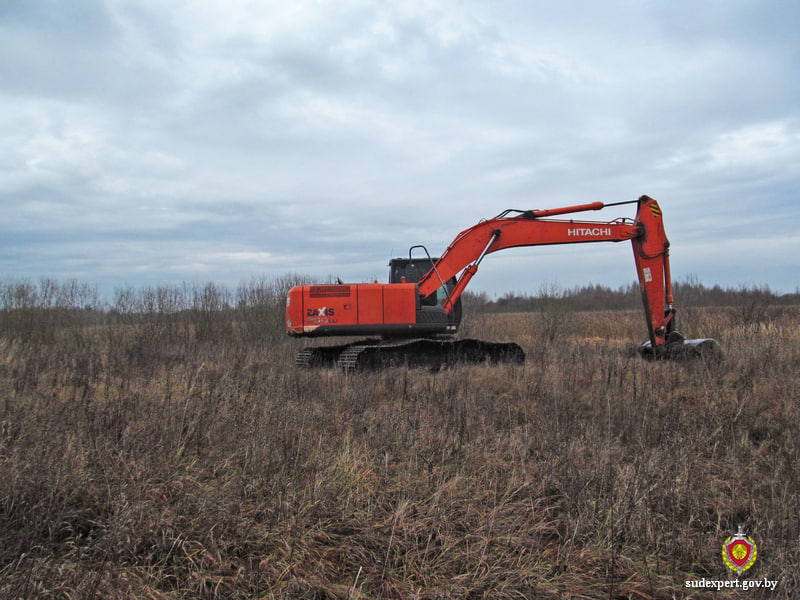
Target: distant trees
pixel 38 310
pixel 689 292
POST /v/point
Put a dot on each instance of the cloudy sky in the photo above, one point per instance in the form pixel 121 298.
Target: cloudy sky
pixel 145 142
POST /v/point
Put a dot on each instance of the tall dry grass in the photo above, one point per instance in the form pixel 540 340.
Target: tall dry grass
pixel 186 457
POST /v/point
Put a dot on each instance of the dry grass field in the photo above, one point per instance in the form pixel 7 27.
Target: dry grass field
pixel 188 458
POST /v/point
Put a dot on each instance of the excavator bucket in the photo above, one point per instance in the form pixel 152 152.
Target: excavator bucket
pixel 677 347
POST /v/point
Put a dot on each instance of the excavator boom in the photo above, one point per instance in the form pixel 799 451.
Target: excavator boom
pixel 422 305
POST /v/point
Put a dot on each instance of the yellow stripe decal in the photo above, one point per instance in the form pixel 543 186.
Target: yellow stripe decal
pixel 655 210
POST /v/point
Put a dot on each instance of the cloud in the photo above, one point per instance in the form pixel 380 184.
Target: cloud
pixel 154 142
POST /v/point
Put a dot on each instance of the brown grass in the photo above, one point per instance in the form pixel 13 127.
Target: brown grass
pixel 148 461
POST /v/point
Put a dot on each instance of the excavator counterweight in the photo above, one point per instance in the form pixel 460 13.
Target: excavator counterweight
pixel 417 313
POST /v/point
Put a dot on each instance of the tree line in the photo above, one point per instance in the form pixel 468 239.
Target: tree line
pixel 35 309
pixel 688 294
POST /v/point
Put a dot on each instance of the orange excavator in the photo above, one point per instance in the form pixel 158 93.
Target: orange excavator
pixel 416 314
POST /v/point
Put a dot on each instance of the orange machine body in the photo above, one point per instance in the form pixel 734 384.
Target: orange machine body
pixel 352 309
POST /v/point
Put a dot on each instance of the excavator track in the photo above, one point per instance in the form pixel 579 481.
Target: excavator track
pixel 427 353
pixel 326 356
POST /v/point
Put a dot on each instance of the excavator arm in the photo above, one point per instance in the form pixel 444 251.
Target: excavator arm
pixel 513 229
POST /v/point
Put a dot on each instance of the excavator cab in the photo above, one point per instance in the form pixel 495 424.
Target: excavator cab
pixel 411 270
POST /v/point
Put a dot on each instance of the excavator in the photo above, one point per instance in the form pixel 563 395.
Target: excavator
pixel 417 313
